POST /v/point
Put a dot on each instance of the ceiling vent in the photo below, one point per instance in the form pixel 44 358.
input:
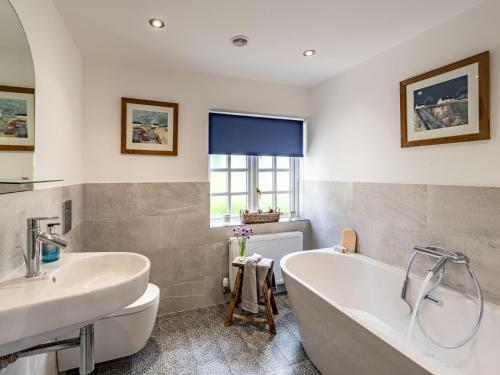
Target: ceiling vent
pixel 239 40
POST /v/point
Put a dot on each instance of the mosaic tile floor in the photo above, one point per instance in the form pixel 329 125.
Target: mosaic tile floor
pixel 196 342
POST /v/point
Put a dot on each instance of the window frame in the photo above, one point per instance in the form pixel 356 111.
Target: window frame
pixel 227 170
pixel 252 169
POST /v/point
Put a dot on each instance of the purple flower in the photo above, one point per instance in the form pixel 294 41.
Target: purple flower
pixel 242 232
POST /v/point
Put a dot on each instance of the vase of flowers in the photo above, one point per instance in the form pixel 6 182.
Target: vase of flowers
pixel 242 234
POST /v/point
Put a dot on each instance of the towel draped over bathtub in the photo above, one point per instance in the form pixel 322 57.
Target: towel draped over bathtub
pixel 255 272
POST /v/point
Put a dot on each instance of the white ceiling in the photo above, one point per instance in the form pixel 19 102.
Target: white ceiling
pixel 196 37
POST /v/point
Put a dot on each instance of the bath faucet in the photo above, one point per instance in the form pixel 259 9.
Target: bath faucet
pixel 443 256
pixel 35 238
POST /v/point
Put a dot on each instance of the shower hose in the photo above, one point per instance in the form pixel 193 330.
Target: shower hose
pixel 474 330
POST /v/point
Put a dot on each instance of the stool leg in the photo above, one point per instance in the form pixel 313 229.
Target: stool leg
pixel 270 276
pixel 234 298
pixel 269 310
pixel 273 302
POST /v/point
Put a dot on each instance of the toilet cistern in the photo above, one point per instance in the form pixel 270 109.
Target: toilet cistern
pixel 34 239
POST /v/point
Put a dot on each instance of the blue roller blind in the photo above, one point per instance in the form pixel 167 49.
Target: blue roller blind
pixel 231 134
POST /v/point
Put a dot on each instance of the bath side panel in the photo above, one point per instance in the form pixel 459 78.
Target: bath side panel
pixel 336 344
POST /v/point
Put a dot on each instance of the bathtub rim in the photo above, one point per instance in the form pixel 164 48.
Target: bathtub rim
pixel 434 366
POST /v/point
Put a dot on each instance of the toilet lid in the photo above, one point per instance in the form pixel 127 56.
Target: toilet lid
pixel 150 296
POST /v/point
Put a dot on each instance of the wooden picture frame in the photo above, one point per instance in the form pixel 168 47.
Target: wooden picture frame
pixel 462 116
pixel 17 134
pixel 149 127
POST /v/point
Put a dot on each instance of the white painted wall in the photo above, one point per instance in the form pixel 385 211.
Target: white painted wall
pixel 354 130
pixel 57 61
pixel 105 84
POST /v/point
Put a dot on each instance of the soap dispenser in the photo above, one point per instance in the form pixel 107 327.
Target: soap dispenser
pixel 50 253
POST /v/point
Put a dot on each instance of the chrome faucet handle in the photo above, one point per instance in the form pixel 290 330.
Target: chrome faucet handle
pixel 439 265
pixel 34 222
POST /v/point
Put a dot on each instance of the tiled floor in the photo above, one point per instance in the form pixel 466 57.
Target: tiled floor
pixel 196 342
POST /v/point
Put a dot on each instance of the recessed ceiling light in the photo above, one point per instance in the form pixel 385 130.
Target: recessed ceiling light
pixel 157 23
pixel 309 52
pixel 239 40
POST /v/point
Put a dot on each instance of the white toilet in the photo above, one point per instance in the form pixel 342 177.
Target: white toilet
pixel 120 334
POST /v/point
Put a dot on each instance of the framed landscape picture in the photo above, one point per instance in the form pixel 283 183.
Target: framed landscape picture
pixel 446 105
pixel 149 127
pixel 17 119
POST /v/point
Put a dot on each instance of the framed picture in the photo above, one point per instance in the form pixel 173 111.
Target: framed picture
pixel 149 127
pixel 446 105
pixel 17 119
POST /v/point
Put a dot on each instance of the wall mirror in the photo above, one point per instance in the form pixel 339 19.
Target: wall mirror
pixel 17 104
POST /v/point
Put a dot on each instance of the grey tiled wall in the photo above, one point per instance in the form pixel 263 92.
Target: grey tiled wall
pixel 391 218
pixel 15 208
pixel 169 223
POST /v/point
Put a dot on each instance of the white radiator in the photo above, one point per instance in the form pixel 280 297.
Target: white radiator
pixel 274 246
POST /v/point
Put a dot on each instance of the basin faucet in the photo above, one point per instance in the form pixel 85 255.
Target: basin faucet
pixel 34 240
pixel 443 256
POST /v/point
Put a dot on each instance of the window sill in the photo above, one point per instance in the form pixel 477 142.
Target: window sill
pixel 232 223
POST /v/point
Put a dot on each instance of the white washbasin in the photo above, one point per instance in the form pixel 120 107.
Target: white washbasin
pixel 76 290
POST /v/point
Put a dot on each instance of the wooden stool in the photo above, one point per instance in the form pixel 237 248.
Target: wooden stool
pixel 269 301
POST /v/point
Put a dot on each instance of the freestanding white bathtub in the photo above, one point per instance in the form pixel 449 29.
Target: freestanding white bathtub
pixel 352 320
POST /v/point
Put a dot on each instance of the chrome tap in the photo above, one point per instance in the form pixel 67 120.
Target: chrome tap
pixel 34 240
pixel 443 256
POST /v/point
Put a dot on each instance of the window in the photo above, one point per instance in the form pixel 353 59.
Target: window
pixel 229 184
pixel 238 180
pixel 253 182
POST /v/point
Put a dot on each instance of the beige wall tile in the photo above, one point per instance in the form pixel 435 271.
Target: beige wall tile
pixel 464 210
pixel 393 203
pixel 162 199
pixel 109 201
pixel 338 196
